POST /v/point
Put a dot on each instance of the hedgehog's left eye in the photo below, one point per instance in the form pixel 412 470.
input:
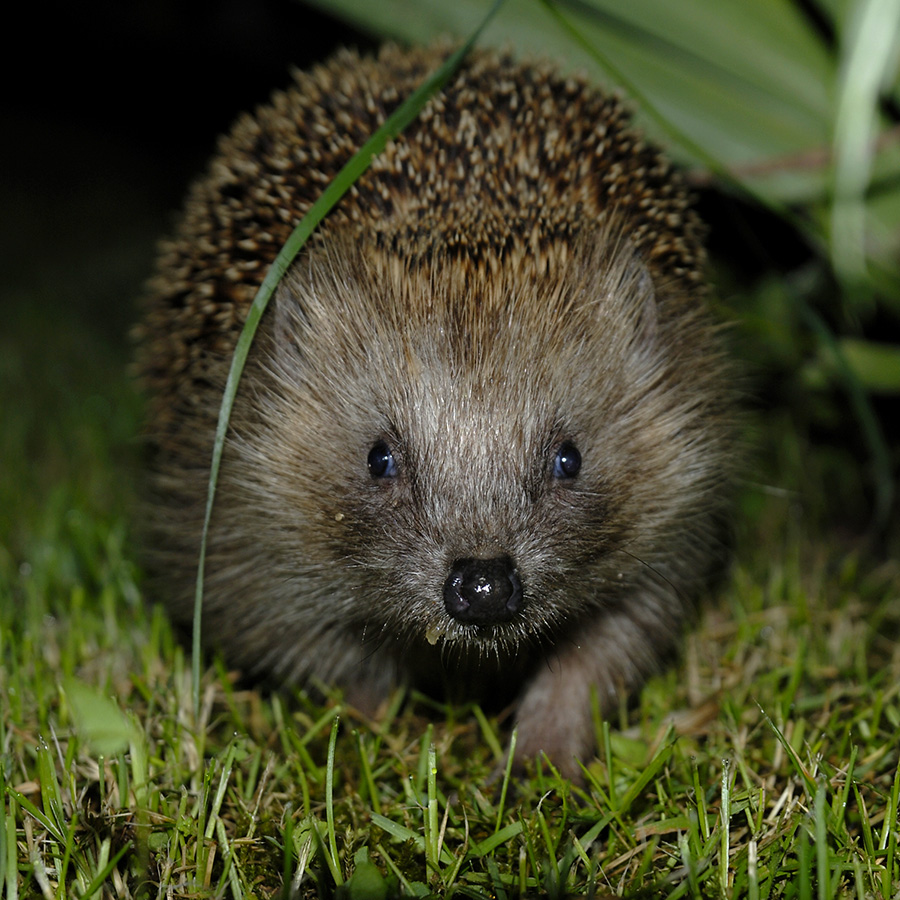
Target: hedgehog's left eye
pixel 568 461
pixel 381 461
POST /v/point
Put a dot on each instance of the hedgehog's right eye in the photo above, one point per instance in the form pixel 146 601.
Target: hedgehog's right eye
pixel 381 461
pixel 567 463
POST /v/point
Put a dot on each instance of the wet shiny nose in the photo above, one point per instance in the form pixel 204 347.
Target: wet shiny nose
pixel 483 591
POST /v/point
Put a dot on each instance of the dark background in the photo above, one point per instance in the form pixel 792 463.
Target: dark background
pixel 109 112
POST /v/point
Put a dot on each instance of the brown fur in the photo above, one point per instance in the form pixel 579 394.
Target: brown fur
pixel 516 271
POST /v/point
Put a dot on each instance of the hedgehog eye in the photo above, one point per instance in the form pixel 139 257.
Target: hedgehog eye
pixel 381 461
pixel 568 461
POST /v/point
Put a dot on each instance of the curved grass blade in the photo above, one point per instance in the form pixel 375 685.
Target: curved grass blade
pixel 343 181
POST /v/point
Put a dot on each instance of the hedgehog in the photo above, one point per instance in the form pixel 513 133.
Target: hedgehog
pixel 484 438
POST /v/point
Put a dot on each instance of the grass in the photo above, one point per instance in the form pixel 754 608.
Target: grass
pixel 765 764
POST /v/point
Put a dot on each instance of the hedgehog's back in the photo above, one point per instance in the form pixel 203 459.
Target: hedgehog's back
pixel 508 154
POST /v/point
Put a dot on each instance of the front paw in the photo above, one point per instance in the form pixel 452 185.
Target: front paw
pixel 560 727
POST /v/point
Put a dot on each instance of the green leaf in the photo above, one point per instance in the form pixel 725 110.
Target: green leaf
pixel 869 56
pixel 747 81
pixel 99 719
pixel 366 882
pixel 877 366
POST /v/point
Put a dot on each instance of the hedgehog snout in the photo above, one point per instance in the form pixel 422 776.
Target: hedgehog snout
pixel 483 591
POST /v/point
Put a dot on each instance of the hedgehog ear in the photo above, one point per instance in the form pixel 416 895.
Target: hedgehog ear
pixel 629 281
pixel 289 324
pixel 638 283
pixel 284 312
pixel 289 318
pixel 626 280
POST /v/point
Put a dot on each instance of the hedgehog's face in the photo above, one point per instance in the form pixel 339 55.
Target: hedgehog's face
pixel 484 589
pixel 483 455
pixel 475 515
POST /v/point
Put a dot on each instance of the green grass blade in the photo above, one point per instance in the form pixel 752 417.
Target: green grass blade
pixel 334 864
pixel 808 781
pixel 877 365
pixel 3 826
pixel 823 871
pixel 872 38
pixel 368 778
pixel 348 175
pixel 289 850
pixel 51 793
pixel 489 844
pixel 725 823
pixel 10 879
pixel 889 837
pixel 507 775
pixel 432 844
pixel 398 831
pixel 37 815
pixel 219 796
pixel 883 470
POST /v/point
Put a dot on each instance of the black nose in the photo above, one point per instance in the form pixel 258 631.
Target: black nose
pixel 483 591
